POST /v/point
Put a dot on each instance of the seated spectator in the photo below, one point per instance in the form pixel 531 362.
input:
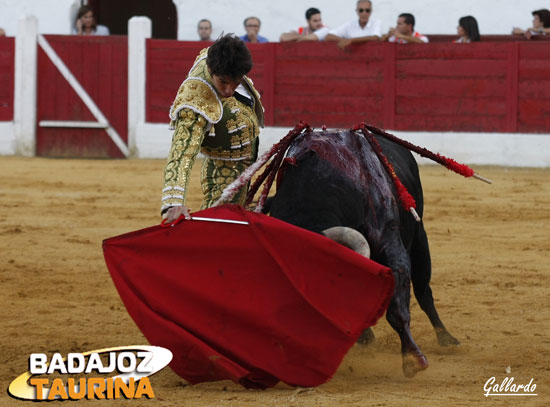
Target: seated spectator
pixel 204 29
pixel 314 31
pixel 404 32
pixel 541 24
pixel 362 30
pixel 86 23
pixel 252 27
pixel 467 29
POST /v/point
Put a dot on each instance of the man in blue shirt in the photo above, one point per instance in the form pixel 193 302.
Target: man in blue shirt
pixel 252 27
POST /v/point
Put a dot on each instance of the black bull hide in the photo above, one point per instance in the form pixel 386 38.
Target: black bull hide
pixel 338 180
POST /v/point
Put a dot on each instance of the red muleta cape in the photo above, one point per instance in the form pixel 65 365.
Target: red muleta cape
pixel 254 303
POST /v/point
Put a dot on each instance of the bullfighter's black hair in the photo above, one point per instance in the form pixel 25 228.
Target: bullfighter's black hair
pixel 229 56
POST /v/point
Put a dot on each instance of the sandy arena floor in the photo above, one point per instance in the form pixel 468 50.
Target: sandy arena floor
pixel 490 248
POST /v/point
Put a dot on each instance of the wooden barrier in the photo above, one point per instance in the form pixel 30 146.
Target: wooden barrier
pixel 7 75
pixel 67 125
pixel 533 87
pixel 486 86
pixel 488 38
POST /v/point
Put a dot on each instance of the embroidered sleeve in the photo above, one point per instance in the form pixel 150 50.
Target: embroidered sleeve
pixel 189 132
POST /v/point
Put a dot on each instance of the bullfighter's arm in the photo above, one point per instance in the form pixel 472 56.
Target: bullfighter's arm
pixel 189 132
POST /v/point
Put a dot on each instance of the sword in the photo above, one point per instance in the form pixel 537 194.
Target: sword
pixel 238 222
pixel 182 218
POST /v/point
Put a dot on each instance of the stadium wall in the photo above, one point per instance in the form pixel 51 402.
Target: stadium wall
pixel 7 78
pixel 513 104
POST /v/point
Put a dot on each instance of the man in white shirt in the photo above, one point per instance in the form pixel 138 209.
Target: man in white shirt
pixel 357 31
pixel 404 32
pixel 314 31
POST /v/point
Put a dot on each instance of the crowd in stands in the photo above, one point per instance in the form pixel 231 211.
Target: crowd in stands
pixel 365 29
pixel 358 30
pixel 361 29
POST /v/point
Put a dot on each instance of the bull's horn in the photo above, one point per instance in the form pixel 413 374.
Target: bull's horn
pixel 350 238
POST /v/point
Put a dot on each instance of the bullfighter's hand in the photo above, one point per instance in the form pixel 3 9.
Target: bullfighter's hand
pixel 176 211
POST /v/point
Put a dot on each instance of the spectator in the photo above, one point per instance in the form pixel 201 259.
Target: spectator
pixel 467 29
pixel 357 31
pixel 204 29
pixel 86 23
pixel 252 27
pixel 314 31
pixel 404 32
pixel 2 32
pixel 541 24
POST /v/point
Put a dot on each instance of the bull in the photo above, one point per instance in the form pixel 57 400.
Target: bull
pixel 335 180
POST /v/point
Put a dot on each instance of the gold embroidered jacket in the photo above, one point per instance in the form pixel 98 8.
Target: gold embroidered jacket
pixel 223 129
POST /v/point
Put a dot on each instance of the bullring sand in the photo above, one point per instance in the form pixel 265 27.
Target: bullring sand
pixel 490 247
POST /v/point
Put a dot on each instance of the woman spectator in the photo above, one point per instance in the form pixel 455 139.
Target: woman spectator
pixel 467 29
pixel 541 24
pixel 86 23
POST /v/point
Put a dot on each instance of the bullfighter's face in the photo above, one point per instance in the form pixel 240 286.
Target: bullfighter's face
pixel 225 85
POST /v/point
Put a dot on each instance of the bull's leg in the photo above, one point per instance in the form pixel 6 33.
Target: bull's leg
pixel 366 337
pixel 421 271
pixel 398 314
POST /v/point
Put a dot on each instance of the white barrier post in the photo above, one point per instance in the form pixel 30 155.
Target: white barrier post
pixel 24 109
pixel 139 29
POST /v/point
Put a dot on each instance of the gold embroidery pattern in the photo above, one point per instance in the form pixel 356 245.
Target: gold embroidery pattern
pixel 199 97
pixel 216 175
pixel 220 153
pixel 242 130
pixel 188 136
pixel 199 68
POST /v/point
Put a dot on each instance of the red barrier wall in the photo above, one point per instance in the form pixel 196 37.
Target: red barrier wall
pixel 100 64
pixel 533 88
pixel 7 69
pixel 486 86
pixel 168 63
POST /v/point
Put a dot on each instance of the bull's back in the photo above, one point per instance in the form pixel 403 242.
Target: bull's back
pixel 316 195
pixel 338 180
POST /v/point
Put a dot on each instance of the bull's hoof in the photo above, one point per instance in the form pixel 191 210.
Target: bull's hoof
pixel 445 338
pixel 366 337
pixel 412 364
